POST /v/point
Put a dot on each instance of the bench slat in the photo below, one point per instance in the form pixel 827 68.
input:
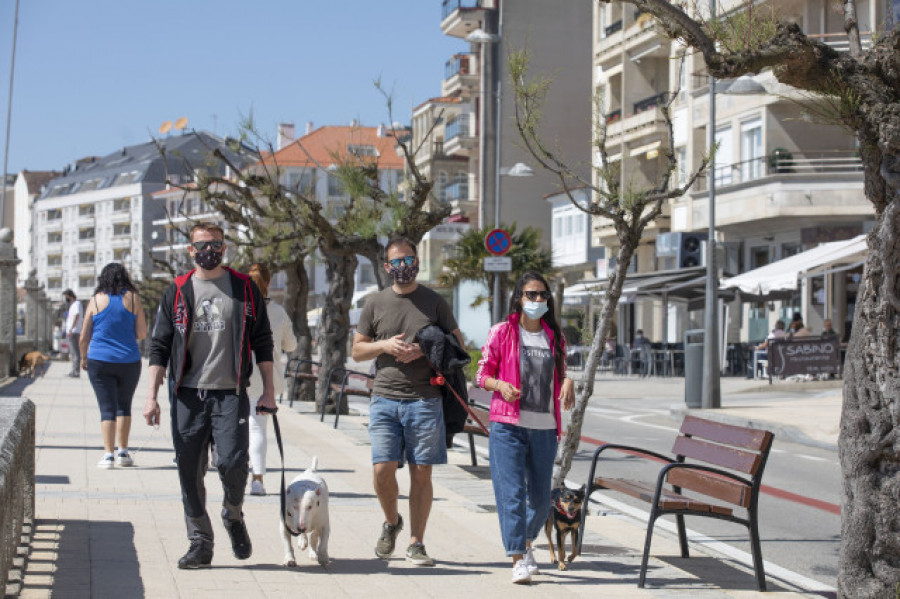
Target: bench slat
pixel 667 500
pixel 726 434
pixel 730 491
pixel 719 455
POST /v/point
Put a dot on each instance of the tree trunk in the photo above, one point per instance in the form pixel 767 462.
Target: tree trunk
pixel 569 446
pixel 334 323
pixel 869 444
pixel 296 304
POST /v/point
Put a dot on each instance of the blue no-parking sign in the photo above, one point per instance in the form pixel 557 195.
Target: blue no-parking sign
pixel 497 242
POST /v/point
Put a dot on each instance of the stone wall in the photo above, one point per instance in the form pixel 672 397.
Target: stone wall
pixel 17 428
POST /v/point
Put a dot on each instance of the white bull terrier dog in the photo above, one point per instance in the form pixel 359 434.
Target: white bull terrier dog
pixel 306 515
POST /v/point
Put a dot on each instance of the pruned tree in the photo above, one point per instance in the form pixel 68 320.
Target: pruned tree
pixel 861 89
pixel 466 261
pixel 626 205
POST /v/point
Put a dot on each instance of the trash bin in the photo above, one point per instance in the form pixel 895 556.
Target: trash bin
pixel 693 368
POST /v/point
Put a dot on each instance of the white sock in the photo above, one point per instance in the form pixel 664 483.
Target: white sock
pixel 122 450
pixel 107 455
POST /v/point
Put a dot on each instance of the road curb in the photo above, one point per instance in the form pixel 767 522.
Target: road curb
pixel 782 431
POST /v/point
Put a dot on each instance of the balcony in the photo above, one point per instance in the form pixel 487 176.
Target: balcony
pixel 459 139
pixel 651 102
pixel 460 75
pixel 53 225
pixel 86 268
pixel 121 216
pixel 645 126
pixel 121 241
pixel 460 17
pixel 640 38
pixel 804 186
pixel 53 246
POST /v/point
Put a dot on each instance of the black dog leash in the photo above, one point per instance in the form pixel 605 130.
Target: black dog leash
pixel 282 493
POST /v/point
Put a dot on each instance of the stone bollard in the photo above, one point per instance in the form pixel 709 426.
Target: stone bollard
pixel 8 263
pixel 17 438
pixel 32 289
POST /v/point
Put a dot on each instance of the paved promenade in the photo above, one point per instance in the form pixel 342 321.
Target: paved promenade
pixel 103 533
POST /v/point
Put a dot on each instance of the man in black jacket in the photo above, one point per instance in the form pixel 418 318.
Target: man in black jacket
pixel 207 322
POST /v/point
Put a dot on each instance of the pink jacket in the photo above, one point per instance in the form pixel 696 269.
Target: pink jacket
pixel 500 360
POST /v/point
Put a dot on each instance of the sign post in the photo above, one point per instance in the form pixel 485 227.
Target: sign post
pixel 497 242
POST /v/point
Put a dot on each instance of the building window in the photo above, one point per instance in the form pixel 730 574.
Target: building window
pixel 121 205
pixel 86 233
pixel 335 187
pixel 54 214
pixel 790 249
pixel 86 257
pixel 86 281
pixel 358 150
pixel 724 156
pixel 682 166
pixel 759 256
pixel 86 210
pixel 54 237
pixel 751 150
pixel 121 230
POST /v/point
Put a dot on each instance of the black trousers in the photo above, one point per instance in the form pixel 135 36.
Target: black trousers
pixel 201 416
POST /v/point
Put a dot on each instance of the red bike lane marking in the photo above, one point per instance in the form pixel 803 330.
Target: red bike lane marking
pixel 831 508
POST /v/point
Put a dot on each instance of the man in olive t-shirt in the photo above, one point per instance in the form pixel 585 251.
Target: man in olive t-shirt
pixel 406 418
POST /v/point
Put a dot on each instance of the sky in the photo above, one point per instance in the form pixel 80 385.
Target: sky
pixel 96 75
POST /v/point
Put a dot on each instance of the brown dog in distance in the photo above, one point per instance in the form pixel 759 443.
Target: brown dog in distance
pixel 33 362
pixel 564 520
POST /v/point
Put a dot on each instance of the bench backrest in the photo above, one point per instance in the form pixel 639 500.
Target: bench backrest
pixel 734 448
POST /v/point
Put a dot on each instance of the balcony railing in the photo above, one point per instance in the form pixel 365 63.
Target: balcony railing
pixel 458 128
pixel 458 65
pixel 611 29
pixel 451 6
pixel 458 191
pixel 840 42
pixel 785 164
pixel 651 102
pixel 614 116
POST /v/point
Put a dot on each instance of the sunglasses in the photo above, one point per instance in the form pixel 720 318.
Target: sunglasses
pixel 533 296
pixel 215 245
pixel 408 260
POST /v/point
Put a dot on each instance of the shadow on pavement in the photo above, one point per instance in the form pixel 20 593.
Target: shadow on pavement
pixel 92 559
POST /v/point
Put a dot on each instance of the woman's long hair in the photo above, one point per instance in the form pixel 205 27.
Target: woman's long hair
pixel 515 305
pixel 114 280
pixel 262 276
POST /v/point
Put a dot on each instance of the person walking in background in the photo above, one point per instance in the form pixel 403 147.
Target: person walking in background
pixel 523 363
pixel 207 322
pixel 406 417
pixel 828 333
pixel 74 322
pixel 113 324
pixel 284 340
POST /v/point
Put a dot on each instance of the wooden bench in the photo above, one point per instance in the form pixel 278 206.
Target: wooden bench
pixel 479 404
pixel 738 456
pixel 344 390
pixel 294 371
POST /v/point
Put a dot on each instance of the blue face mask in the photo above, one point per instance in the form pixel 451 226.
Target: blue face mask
pixel 534 310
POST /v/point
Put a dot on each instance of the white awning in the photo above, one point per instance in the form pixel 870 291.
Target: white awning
pixel 783 275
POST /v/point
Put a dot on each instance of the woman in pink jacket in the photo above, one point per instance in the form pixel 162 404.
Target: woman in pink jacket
pixel 524 364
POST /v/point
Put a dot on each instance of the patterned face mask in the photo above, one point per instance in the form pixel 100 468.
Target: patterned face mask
pixel 403 274
pixel 208 259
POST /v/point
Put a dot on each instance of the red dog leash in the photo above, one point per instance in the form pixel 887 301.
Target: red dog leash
pixel 439 381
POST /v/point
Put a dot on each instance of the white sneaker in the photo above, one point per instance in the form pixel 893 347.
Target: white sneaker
pixel 124 459
pixel 106 462
pixel 257 488
pixel 530 562
pixel 520 574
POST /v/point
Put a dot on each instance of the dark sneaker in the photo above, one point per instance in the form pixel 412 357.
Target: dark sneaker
pixel 385 545
pixel 416 555
pixel 198 556
pixel 240 540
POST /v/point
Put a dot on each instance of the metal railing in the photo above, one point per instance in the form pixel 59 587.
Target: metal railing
pixel 460 64
pixel 651 102
pixel 450 6
pixel 840 41
pixel 787 164
pixel 458 128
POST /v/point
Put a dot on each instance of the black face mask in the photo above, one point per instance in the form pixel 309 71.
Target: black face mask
pixel 208 259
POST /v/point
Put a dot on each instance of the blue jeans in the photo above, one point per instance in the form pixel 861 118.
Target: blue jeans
pixel 412 429
pixel 522 472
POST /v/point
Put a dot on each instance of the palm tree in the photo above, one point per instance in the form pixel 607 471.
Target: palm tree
pixel 468 253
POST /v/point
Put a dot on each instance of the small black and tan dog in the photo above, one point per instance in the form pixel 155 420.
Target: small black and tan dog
pixel 564 520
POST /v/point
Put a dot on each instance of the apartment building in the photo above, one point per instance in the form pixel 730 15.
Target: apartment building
pixel 100 209
pixel 785 182
pixel 29 186
pixel 478 106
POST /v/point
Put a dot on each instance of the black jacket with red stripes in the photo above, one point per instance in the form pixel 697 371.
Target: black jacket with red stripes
pixel 174 322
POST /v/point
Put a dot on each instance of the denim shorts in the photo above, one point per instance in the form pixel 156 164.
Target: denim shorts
pixel 412 429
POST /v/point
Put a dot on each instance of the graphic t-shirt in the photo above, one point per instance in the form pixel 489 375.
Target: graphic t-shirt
pixel 211 342
pixel 536 381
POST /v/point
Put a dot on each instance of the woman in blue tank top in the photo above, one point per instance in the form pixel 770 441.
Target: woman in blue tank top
pixel 113 324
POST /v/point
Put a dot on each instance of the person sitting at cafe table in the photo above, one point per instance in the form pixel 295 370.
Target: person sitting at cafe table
pixel 798 329
pixel 777 333
pixel 829 334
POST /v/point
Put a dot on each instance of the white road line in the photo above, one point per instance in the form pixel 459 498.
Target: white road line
pixel 811 457
pixel 703 541
pixel 607 411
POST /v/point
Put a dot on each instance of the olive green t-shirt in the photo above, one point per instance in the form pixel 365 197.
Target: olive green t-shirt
pixel 387 314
